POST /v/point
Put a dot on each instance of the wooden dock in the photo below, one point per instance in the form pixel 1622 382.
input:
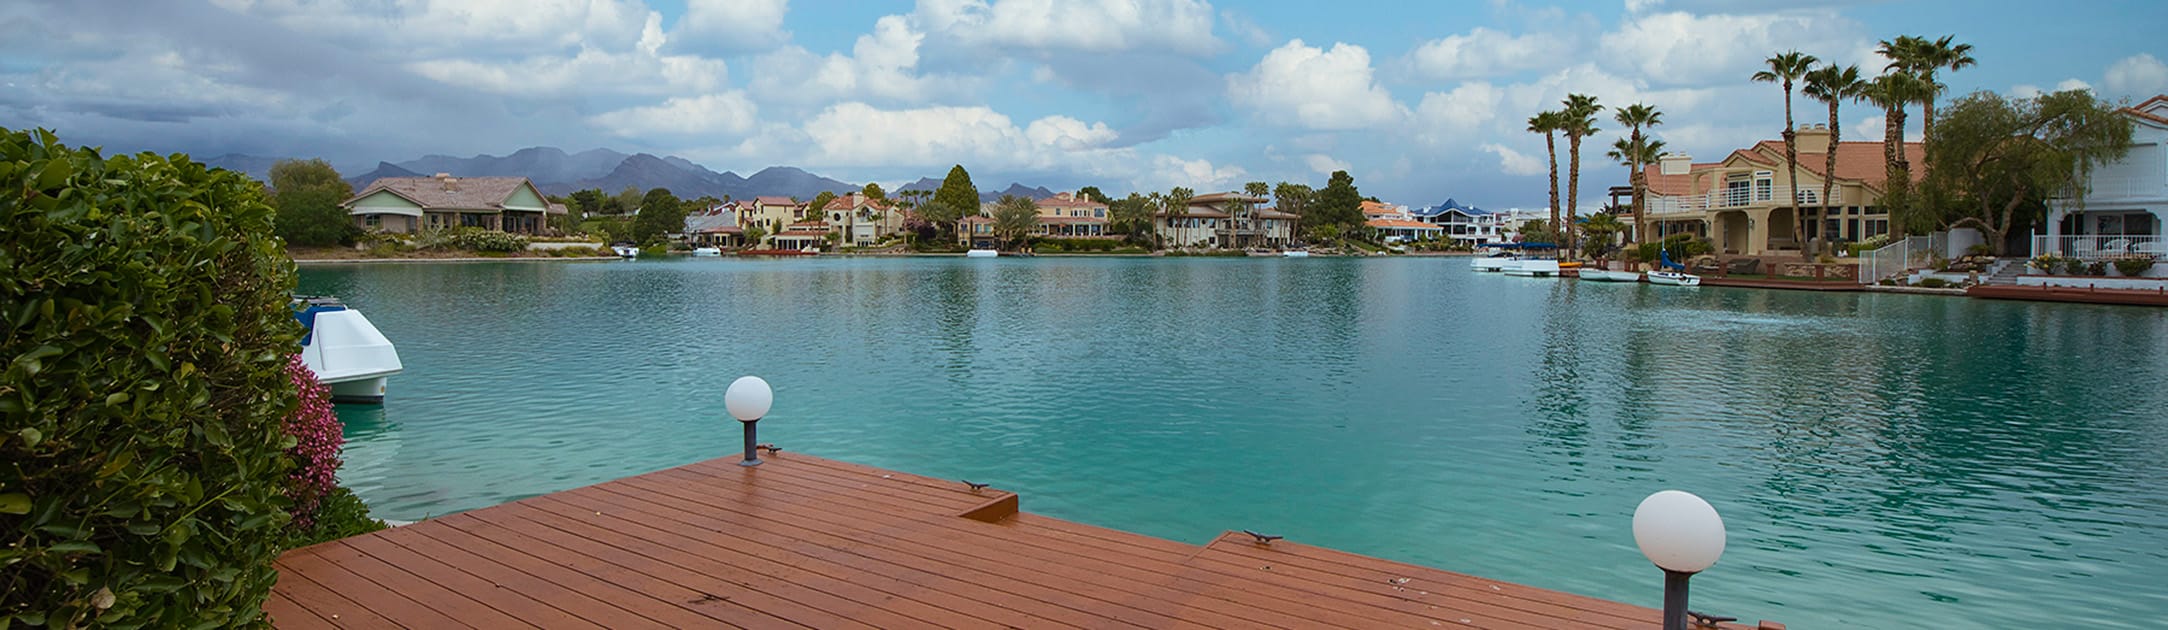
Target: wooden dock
pixel 808 542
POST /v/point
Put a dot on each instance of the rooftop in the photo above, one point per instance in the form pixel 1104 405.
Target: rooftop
pixel 805 541
pixel 445 192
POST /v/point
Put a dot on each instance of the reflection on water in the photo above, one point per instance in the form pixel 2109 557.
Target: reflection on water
pixel 1878 458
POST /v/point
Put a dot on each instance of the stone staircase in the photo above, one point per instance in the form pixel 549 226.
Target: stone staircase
pixel 2005 272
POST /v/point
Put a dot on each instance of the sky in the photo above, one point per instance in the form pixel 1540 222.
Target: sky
pixel 1419 101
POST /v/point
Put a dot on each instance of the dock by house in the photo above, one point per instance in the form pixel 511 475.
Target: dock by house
pixel 809 542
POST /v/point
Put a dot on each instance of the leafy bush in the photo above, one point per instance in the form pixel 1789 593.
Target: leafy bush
pixel 481 240
pixel 1934 283
pixel 1061 245
pixel 1980 249
pixel 145 395
pixel 2047 263
pixel 2133 266
pixel 317 437
pixel 339 515
pixel 2096 269
pixel 1681 246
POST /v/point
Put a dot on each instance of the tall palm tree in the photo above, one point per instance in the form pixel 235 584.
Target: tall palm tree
pixel 1922 57
pixel 1785 68
pixel 1157 202
pixel 1177 203
pixel 1548 124
pixel 1257 224
pixel 1832 86
pixel 1581 110
pixel 1636 117
pixel 1894 92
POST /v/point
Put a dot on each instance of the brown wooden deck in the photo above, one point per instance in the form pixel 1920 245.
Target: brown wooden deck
pixel 809 542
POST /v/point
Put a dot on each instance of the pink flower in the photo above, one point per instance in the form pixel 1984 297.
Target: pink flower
pixel 317 439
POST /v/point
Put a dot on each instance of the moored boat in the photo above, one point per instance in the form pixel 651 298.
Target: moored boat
pixel 625 250
pixel 1605 275
pixel 707 251
pixel 981 253
pixel 1296 253
pixel 777 252
pixel 1489 263
pixel 1674 278
pixel 345 351
pixel 1533 268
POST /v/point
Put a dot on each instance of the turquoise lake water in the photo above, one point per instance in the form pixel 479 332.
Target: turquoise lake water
pixel 1878 459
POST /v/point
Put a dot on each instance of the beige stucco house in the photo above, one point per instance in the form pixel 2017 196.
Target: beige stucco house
pixel 1742 203
pixel 410 204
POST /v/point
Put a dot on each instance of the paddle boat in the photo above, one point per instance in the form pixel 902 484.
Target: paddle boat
pixel 345 351
pixel 1296 253
pixel 625 250
pixel 1605 275
pixel 707 251
pixel 1533 268
pixel 981 253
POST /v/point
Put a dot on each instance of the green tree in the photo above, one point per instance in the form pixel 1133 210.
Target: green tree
pixel 1338 206
pixel 873 191
pixel 585 202
pixel 307 194
pixel 957 192
pixel 1294 199
pixel 1602 230
pixel 1015 218
pixel 660 214
pixel 1549 124
pixel 1785 68
pixel 819 206
pixel 1534 231
pixel 1581 111
pixel 1894 92
pixel 1832 86
pixel 1998 156
pixel 1637 117
pixel 753 235
pixel 1259 190
pixel 1131 215
pixel 1092 193
pixel 628 201
pixel 1923 57
pixel 1176 203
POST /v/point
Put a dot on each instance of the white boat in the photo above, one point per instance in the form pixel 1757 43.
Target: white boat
pixel 1296 253
pixel 1604 275
pixel 1489 263
pixel 981 253
pixel 626 251
pixel 1674 278
pixel 345 351
pixel 707 251
pixel 1533 268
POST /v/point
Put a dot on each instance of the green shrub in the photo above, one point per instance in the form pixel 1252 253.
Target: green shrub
pixel 1980 249
pixel 339 515
pixel 481 240
pixel 144 399
pixel 1681 246
pixel 1934 283
pixel 1062 245
pixel 2096 269
pixel 2133 266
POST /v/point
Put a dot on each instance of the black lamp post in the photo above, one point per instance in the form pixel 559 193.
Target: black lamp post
pixel 1683 535
pixel 748 400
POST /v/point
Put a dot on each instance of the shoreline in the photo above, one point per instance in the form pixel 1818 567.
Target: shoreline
pixel 465 259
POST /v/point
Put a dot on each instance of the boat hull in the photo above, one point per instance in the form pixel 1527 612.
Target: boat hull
pixel 368 391
pixel 1532 268
pixel 981 253
pixel 349 354
pixel 707 251
pixel 1673 278
pixel 1296 254
pixel 1604 275
pixel 1488 264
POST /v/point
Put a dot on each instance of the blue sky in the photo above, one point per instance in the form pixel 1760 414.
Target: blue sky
pixel 1420 101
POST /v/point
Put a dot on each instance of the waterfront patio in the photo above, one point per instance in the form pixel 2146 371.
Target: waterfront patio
pixel 808 542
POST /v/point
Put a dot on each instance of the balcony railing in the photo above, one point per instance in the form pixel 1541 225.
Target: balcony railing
pixel 2100 246
pixel 1736 198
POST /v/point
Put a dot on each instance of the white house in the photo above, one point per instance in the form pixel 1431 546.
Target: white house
pixel 1466 225
pixel 2122 215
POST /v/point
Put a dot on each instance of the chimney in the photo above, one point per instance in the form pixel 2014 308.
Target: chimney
pixel 1675 164
pixel 1813 139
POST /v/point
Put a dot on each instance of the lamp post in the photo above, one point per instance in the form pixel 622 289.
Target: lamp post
pixel 1683 536
pixel 747 400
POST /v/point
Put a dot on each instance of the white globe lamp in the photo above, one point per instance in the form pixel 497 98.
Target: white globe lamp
pixel 1683 535
pixel 748 400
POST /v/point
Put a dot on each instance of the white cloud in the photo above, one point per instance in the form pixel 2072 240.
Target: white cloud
pixel 431 28
pixel 1443 118
pixel 1324 164
pixel 2138 76
pixel 727 112
pixel 1484 52
pixel 1301 85
pixel 637 72
pixel 1080 25
pixel 882 65
pixel 1245 28
pixel 1070 134
pixel 1515 163
pixel 1169 171
pixel 1687 49
pixel 2073 84
pixel 731 24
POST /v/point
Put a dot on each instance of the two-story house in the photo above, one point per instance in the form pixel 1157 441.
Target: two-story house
pixel 1066 215
pixel 862 220
pixel 411 204
pixel 2122 212
pixel 1743 204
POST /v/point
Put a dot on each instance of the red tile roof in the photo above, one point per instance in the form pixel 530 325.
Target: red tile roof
pixel 2145 110
pixel 1400 223
pixel 774 200
pixel 1856 162
pixel 1071 220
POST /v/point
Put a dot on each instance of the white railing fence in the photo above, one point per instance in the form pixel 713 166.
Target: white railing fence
pixel 1913 252
pixel 1737 198
pixel 2099 246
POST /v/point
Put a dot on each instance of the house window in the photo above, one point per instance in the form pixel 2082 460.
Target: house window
pixel 1763 185
pixel 1099 214
pixel 1735 190
pixel 373 221
pixel 471 220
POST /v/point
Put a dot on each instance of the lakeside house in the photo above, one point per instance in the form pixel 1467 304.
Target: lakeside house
pixel 1742 203
pixel 803 235
pixel 2122 212
pixel 1067 215
pixel 716 226
pixel 976 232
pixel 1464 225
pixel 1395 223
pixel 1225 220
pixel 410 204
pixel 770 213
pixel 862 220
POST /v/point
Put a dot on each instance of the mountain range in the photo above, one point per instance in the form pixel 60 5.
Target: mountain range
pixel 558 173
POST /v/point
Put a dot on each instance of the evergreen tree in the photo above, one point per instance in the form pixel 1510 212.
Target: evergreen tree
pixel 307 194
pixel 1338 205
pixel 1092 193
pixel 957 192
pixel 660 214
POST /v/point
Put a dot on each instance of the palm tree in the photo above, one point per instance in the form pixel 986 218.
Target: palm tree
pixel 1548 124
pixel 1636 152
pixel 1580 122
pixel 1893 92
pixel 1636 117
pixel 1156 204
pixel 1832 86
pixel 1257 225
pixel 1177 204
pixel 1785 68
pixel 1922 57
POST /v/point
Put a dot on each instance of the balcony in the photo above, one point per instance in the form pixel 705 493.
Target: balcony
pixel 1661 205
pixel 2097 247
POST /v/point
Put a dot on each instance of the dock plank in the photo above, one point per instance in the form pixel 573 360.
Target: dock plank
pixel 803 541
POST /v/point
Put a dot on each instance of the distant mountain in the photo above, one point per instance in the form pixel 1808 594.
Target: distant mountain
pixel 541 164
pixel 985 196
pixel 254 166
pixel 383 169
pixel 785 180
